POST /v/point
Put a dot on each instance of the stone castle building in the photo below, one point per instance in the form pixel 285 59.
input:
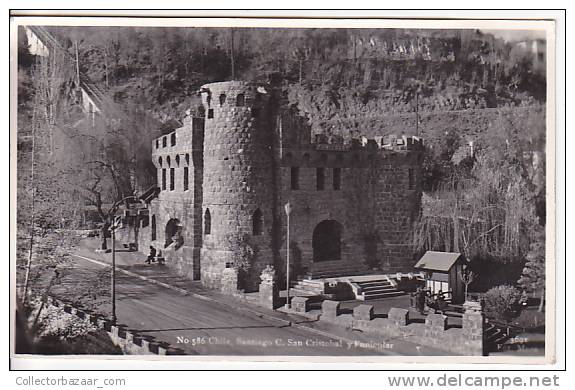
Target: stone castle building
pixel 225 178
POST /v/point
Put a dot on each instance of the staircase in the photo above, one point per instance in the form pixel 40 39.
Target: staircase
pixel 307 288
pixel 494 337
pixel 376 289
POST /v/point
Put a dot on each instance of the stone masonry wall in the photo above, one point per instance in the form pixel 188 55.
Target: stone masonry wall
pixel 182 152
pixel 238 181
pixel 376 205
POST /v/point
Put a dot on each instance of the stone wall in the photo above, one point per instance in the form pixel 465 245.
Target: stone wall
pixel 376 204
pixel 181 151
pixel 467 340
pixel 129 341
pixel 238 182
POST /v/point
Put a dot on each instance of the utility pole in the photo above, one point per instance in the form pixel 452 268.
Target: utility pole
pixel 232 54
pixel 113 274
pixel 288 212
pixel 77 65
pixel 417 112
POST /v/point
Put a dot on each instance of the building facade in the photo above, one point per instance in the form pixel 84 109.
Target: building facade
pixel 224 181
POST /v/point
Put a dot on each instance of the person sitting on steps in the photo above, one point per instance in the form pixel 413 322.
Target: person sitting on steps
pixel 152 256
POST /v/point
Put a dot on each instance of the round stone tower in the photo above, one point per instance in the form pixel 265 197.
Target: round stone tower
pixel 238 194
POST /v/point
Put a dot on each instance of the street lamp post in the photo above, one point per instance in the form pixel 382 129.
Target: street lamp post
pixel 288 212
pixel 114 226
pixel 113 274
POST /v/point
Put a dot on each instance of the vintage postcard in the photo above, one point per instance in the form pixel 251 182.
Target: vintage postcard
pixel 275 189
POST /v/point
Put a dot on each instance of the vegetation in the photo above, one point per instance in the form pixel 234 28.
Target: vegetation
pixel 503 302
pixel 450 85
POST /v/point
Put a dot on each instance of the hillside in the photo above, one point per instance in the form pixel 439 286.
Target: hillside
pixel 336 71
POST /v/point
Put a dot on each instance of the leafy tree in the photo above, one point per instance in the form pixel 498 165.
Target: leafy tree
pixel 533 277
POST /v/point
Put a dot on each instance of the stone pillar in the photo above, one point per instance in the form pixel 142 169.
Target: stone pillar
pixel 330 309
pixel 300 304
pixel 398 316
pixel 229 284
pixel 269 292
pixel 436 322
pixel 363 312
pixel 473 324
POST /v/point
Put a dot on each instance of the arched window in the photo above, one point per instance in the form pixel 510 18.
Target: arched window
pixel 222 98
pixel 207 222
pixel 173 233
pixel 410 179
pixel 160 160
pixel 240 100
pixel 177 160
pixel 153 229
pixel 326 241
pixel 320 178
pixel 257 223
pixel 186 179
pixel 168 161
pixel 337 179
pixel 294 179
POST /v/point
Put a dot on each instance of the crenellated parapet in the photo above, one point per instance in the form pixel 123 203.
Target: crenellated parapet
pixel 179 146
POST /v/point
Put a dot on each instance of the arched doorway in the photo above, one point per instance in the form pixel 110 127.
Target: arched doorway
pixel 327 241
pixel 174 233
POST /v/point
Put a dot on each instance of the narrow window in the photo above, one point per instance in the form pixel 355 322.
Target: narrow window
pixel 337 179
pixel 186 180
pixel 164 142
pixel 172 179
pixel 207 222
pixel 153 229
pixel 240 100
pixel 222 99
pixel 210 113
pixel 320 179
pixel 157 143
pixel 173 139
pixel 411 178
pixel 164 179
pixel 295 178
pixel 257 223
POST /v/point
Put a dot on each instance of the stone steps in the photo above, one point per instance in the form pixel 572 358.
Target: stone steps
pixel 377 289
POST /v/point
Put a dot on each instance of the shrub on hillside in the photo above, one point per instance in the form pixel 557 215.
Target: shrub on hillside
pixel 503 303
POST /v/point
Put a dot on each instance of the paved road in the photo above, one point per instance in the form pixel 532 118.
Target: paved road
pixel 204 322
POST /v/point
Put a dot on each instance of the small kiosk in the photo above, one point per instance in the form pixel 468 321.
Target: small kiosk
pixel 443 272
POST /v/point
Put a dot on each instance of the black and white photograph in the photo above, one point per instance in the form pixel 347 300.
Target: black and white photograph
pixel 283 189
